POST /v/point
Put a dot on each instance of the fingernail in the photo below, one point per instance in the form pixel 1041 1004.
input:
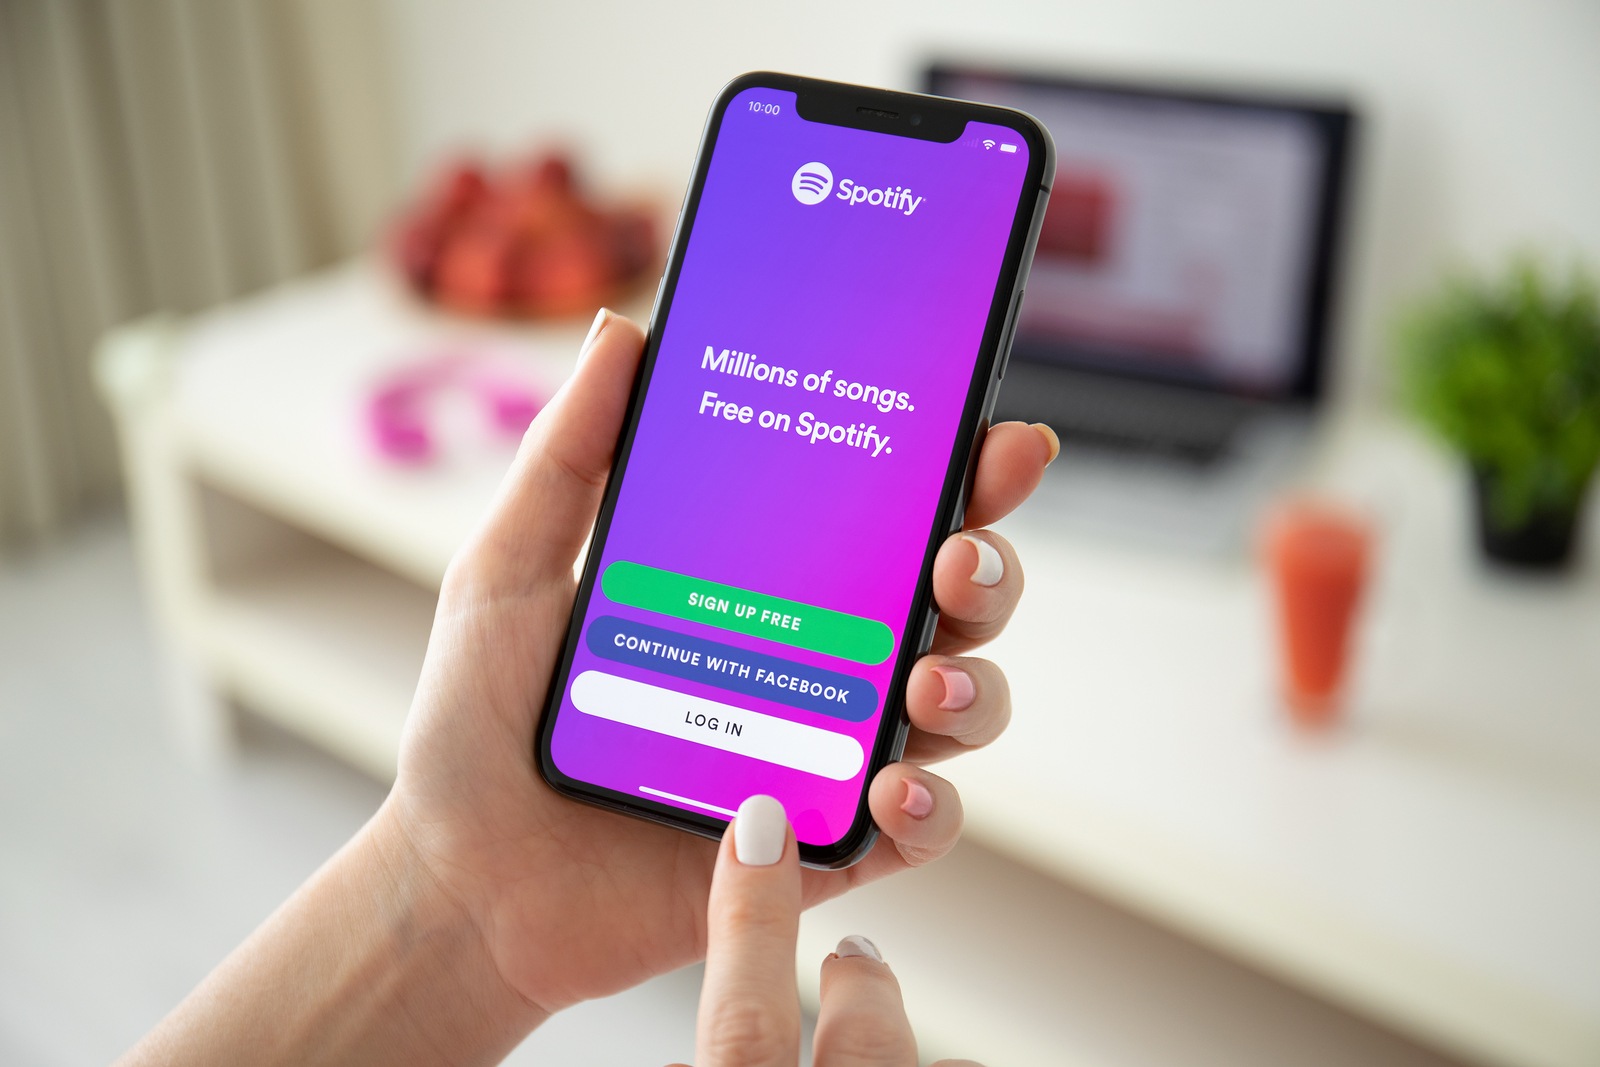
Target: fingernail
pixel 918 802
pixel 958 688
pixel 856 945
pixel 594 331
pixel 1050 439
pixel 759 831
pixel 991 568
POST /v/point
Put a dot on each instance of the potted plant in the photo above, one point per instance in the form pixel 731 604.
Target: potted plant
pixel 1507 372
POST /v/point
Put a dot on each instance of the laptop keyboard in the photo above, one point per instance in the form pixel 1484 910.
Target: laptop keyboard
pixel 1195 430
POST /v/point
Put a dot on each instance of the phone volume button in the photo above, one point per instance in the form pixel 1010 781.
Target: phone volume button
pixel 929 625
pixel 1010 336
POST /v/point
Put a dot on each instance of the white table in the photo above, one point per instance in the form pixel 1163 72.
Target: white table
pixel 1433 866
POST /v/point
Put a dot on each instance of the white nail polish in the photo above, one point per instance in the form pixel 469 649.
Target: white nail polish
pixel 856 945
pixel 594 331
pixel 760 830
pixel 991 568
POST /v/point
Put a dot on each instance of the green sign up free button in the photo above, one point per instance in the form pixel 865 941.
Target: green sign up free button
pixel 833 633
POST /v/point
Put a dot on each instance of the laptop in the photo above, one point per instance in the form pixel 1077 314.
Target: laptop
pixel 1175 329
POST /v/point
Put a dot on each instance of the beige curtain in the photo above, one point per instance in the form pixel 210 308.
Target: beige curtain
pixel 163 155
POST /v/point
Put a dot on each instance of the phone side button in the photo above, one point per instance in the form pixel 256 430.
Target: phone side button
pixel 1010 335
pixel 929 626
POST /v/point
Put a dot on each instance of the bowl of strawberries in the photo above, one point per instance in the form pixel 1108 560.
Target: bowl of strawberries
pixel 527 240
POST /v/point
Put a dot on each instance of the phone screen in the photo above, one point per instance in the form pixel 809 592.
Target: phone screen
pixel 798 425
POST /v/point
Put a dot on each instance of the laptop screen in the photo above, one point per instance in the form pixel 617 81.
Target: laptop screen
pixel 1189 237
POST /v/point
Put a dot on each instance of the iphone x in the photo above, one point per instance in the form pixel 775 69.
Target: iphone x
pixel 820 367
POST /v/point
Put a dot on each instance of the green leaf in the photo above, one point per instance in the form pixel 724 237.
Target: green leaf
pixel 1507 372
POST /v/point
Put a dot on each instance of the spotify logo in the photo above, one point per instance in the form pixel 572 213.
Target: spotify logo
pixel 812 183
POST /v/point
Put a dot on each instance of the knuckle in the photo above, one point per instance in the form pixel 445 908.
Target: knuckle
pixel 469 584
pixel 481 568
pixel 465 573
pixel 753 916
pixel 488 569
pixel 922 855
pixel 878 1042
pixel 866 1036
pixel 744 1030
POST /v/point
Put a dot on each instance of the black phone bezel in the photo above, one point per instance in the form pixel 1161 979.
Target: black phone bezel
pixel 885 111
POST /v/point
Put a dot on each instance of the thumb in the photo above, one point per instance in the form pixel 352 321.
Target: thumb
pixel 546 505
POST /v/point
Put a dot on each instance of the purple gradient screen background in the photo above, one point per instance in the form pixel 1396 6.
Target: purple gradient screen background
pixel 867 292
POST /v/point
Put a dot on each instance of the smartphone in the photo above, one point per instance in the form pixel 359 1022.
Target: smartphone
pixel 821 364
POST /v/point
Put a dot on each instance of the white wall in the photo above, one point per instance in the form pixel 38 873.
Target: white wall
pixel 1483 116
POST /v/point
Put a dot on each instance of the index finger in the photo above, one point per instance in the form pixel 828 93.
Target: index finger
pixel 1010 467
pixel 545 507
pixel 749 1004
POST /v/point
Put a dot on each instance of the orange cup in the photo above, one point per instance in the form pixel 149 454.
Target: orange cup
pixel 1317 555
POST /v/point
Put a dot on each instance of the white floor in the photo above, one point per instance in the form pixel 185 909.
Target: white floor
pixel 125 875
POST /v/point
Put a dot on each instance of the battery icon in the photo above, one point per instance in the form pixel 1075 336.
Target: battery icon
pixel 1008 148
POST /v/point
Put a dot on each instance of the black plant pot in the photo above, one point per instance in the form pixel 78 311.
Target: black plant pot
pixel 1542 542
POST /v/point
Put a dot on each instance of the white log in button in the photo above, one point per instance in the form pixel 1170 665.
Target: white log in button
pixel 719 725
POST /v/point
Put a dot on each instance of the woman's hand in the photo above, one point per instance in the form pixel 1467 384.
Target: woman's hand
pixel 749 1011
pixel 477 901
pixel 576 902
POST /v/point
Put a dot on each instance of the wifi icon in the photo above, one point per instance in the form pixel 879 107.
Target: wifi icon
pixel 987 143
pixel 812 183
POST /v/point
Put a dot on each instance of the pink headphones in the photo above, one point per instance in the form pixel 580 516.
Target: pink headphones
pixel 397 409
